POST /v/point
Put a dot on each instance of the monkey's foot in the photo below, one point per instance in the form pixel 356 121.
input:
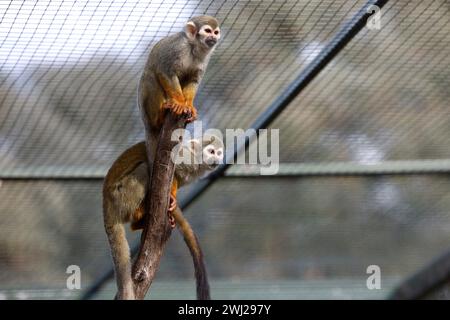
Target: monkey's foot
pixel 172 207
pixel 172 203
pixel 192 113
pixel 172 221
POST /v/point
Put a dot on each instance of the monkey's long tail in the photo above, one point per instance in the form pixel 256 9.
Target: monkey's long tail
pixel 120 252
pixel 201 277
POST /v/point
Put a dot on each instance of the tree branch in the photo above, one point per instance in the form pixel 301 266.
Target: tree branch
pixel 157 229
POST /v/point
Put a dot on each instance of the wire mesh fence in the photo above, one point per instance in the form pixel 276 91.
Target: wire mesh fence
pixel 68 78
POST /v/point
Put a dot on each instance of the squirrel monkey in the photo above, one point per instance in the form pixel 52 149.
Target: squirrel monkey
pixel 174 69
pixel 124 191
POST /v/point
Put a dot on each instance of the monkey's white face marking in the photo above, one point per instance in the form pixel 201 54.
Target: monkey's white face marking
pixel 209 36
pixel 212 155
pixel 192 153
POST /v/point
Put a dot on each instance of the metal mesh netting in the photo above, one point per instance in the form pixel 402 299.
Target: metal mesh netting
pixel 68 77
pixel 327 229
pixel 69 83
pixel 384 97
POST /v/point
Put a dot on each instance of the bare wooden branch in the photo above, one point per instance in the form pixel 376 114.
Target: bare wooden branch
pixel 157 229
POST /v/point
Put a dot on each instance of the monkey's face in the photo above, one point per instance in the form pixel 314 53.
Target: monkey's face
pixel 209 36
pixel 203 30
pixel 212 156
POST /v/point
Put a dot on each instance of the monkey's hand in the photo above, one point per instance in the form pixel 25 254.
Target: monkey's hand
pixel 172 207
pixel 193 113
pixel 182 110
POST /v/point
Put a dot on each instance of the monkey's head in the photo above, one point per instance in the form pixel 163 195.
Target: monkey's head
pixel 204 30
pixel 212 152
pixel 208 152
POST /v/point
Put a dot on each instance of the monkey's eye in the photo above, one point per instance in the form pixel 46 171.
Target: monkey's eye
pixel 212 151
pixel 219 153
pixel 216 32
pixel 208 30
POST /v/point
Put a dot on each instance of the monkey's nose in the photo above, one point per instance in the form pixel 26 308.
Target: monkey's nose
pixel 211 42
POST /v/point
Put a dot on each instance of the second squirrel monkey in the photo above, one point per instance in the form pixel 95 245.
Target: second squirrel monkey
pixel 174 69
pixel 124 191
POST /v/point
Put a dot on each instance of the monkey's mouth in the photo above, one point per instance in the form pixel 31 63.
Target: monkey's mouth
pixel 211 42
pixel 212 165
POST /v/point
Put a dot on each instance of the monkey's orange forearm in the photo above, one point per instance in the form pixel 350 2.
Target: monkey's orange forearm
pixel 172 89
pixel 189 93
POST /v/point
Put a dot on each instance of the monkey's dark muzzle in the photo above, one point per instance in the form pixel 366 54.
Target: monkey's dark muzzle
pixel 211 42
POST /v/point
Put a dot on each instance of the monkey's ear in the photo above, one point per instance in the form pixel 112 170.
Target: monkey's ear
pixel 190 29
pixel 214 140
pixel 209 139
